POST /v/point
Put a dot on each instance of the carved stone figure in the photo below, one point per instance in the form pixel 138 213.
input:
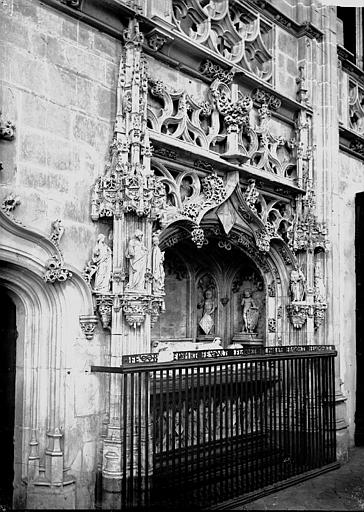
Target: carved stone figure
pixel 137 255
pixel 102 258
pixel 320 292
pixel 157 266
pixel 250 312
pixel 57 231
pixel 207 321
pixel 297 285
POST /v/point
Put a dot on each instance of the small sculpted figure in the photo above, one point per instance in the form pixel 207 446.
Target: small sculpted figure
pixel 250 312
pixel 136 253
pixel 102 258
pixel 209 306
pixel 297 285
pixel 157 266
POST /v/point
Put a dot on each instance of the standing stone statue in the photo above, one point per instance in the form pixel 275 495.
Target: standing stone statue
pixel 209 306
pixel 297 285
pixel 136 252
pixel 319 290
pixel 157 266
pixel 102 258
pixel 250 312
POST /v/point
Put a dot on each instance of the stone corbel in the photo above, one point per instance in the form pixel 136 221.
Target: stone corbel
pixel 55 271
pixel 135 308
pixel 104 305
pixel 298 313
pixel 88 325
pixel 157 38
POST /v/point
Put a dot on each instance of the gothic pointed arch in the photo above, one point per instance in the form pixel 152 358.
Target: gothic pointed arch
pixel 49 297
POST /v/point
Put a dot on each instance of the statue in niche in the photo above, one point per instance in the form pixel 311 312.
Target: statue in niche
pixel 319 290
pixel 208 306
pixel 297 285
pixel 136 253
pixel 102 258
pixel 250 312
pixel 157 266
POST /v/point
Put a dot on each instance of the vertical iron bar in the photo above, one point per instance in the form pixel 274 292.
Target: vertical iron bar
pixel 139 432
pixel 146 413
pixel 131 404
pixel 125 378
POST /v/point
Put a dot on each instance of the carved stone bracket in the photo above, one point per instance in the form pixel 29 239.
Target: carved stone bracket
pixel 157 38
pixel 213 71
pixel 136 307
pixel 88 325
pixel 56 271
pixel 104 305
pixel 298 313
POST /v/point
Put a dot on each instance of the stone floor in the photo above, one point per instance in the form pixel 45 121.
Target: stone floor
pixel 340 489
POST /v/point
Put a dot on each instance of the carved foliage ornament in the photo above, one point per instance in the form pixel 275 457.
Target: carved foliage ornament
pixel 88 325
pixel 56 271
pixel 298 314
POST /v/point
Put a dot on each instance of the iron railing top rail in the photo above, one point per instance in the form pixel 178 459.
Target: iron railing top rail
pixel 189 359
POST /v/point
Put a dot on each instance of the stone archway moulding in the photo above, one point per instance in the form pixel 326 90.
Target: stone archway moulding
pixel 50 324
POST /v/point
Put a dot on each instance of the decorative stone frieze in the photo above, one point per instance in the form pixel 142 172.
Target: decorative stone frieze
pixel 157 38
pixel 55 271
pixel 136 307
pixel 215 71
pixel 88 325
pixel 264 97
pixel 297 313
pixel 357 145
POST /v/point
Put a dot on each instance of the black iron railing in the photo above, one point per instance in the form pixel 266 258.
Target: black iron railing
pixel 213 425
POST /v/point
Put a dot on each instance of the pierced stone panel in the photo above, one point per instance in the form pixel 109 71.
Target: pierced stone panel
pixel 356 108
pixel 232 31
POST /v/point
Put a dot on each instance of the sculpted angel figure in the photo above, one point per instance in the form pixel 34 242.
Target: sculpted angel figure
pixel 250 312
pixel 136 253
pixel 157 266
pixel 102 257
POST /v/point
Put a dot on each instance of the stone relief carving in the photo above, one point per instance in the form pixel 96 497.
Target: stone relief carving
pixel 232 31
pixel 104 305
pixel 272 324
pixel 136 253
pixel 298 314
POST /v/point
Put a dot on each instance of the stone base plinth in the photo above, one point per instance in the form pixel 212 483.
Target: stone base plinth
pixel 41 495
pixel 249 339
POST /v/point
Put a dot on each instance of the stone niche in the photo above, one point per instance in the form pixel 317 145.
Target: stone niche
pixel 204 292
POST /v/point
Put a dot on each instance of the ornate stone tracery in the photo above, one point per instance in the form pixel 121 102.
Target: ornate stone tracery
pixel 234 32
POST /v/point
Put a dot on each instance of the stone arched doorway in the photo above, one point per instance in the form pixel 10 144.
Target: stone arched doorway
pixel 8 337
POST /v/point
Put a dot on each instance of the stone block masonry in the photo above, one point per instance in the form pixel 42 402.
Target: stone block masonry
pixel 62 74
